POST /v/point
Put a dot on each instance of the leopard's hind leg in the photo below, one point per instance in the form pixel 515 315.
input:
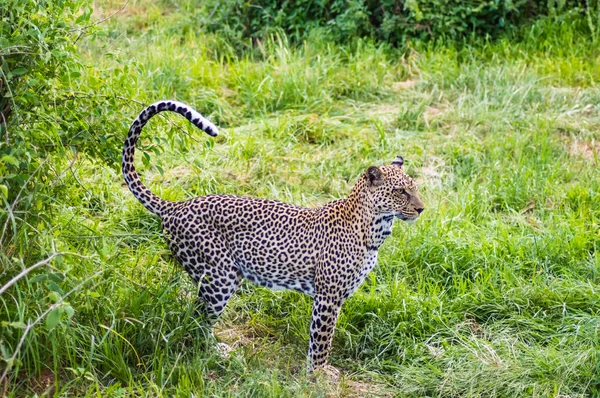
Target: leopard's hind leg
pixel 216 286
pixel 221 279
pixel 212 269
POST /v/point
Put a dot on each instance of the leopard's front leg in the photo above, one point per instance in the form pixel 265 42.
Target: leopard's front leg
pixel 326 309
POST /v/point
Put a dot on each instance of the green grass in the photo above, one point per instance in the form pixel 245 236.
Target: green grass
pixel 493 292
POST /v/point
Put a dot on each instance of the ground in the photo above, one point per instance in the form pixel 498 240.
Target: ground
pixel 492 292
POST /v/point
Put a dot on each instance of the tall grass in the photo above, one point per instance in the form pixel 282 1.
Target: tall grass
pixel 493 292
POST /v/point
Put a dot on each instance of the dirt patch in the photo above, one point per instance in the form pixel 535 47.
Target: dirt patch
pixel 431 112
pixel 340 386
pixel 432 172
pixel 584 149
pixel 565 90
pixel 399 86
pixel 235 336
pixel 384 110
pixel 228 175
pixel 121 9
pixel 178 172
pixel 385 113
pixel 44 383
pixel 359 389
pixel 435 350
pixel 227 92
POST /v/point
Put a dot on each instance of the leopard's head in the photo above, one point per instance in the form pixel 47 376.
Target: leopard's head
pixel 393 191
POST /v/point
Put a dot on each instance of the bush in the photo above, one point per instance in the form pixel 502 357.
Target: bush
pixel 45 118
pixel 393 21
pixel 38 60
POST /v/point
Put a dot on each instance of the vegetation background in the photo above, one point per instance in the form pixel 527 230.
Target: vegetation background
pixel 494 104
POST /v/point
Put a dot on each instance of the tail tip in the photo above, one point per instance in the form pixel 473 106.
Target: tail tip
pixel 211 130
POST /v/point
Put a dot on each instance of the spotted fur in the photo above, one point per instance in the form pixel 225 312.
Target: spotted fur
pixel 325 252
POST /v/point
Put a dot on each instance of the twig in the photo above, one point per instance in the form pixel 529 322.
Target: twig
pixel 81 94
pixel 80 183
pixel 18 53
pixel 71 163
pixel 5 79
pixel 34 266
pixel 4 112
pixel 108 236
pixel 210 17
pixel 112 15
pixel 3 123
pixel 14 204
pixel 38 319
pixel 131 280
pixel 82 30
pixel 170 373
pixel 16 46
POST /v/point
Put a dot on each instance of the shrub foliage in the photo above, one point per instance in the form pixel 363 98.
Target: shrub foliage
pixel 37 59
pixel 47 114
pixel 393 21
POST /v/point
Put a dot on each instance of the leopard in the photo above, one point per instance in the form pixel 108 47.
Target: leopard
pixel 325 252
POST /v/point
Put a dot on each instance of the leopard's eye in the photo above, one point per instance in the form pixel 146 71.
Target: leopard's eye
pixel 399 190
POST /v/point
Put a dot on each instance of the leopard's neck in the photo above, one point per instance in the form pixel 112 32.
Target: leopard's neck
pixel 375 226
pixel 381 228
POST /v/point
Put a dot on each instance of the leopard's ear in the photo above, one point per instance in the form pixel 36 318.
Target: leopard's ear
pixel 375 176
pixel 399 161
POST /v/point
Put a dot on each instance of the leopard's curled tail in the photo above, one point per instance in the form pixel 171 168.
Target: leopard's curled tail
pixel 139 190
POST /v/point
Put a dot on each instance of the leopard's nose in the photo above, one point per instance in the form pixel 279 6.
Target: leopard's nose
pixel 420 209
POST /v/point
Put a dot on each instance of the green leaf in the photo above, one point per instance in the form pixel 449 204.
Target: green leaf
pixel 55 288
pixel 69 311
pixel 54 297
pixel 56 277
pixel 4 191
pixel 10 159
pixel 38 278
pixel 53 318
pixel 146 159
pixel 16 325
pixel 4 351
pixel 19 71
